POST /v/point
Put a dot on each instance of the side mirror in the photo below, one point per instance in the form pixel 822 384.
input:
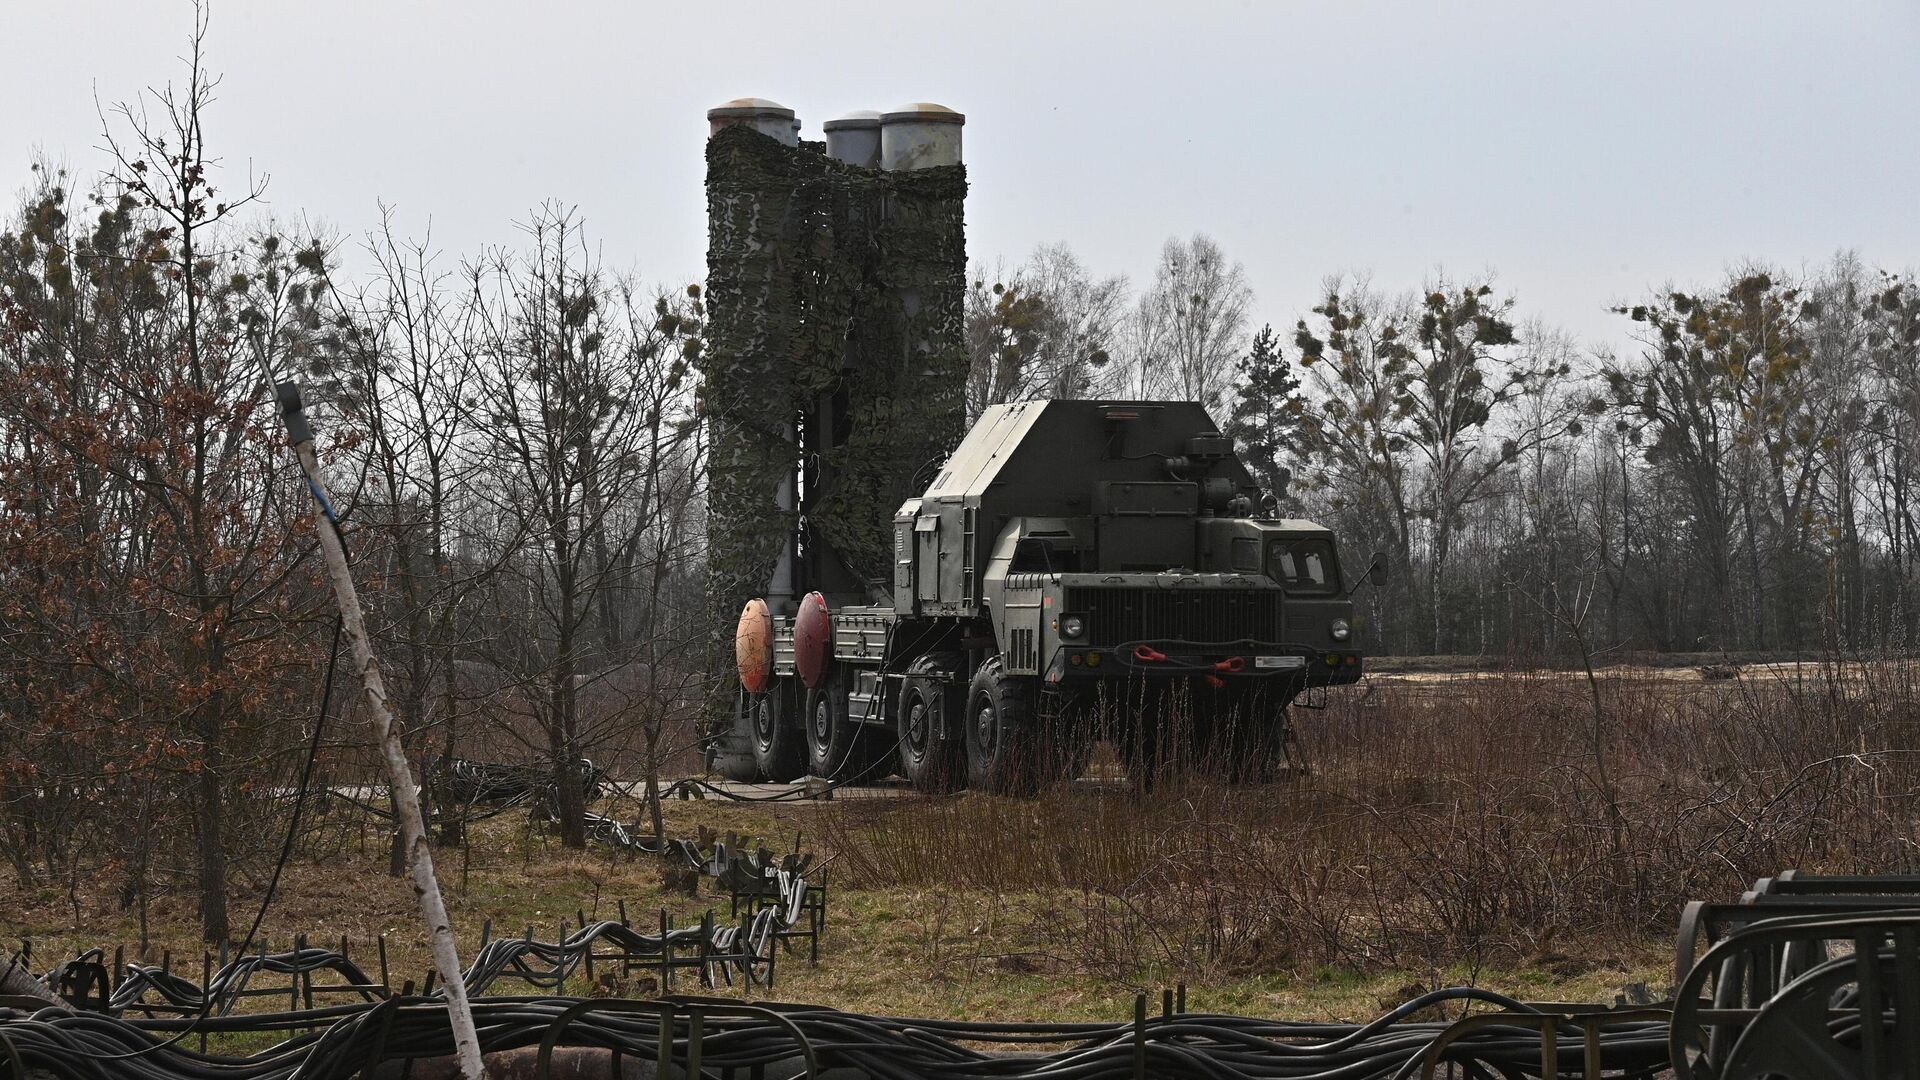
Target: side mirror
pixel 1376 570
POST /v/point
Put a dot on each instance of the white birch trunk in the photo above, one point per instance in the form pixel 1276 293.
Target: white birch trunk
pixel 406 798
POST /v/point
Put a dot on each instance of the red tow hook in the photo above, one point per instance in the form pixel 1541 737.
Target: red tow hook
pixel 1147 654
pixel 1232 665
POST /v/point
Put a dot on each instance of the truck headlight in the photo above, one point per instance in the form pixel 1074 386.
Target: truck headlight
pixel 1072 626
pixel 1340 630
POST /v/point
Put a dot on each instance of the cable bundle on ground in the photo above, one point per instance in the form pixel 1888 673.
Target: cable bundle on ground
pixel 460 781
pixel 759 880
pixel 780 1040
pixel 773 903
pixel 719 950
pixel 1810 978
pixel 229 984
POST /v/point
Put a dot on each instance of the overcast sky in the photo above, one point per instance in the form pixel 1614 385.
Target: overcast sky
pixel 1583 151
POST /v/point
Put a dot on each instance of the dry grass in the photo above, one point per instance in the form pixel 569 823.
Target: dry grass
pixel 1483 827
pixel 1448 837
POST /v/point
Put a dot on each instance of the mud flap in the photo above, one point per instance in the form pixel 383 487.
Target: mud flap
pixel 729 749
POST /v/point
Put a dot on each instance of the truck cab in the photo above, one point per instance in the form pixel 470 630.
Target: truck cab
pixel 1243 608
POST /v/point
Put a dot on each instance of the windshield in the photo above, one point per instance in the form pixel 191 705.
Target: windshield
pixel 1303 565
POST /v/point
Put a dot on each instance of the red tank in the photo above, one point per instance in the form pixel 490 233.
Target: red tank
pixel 812 640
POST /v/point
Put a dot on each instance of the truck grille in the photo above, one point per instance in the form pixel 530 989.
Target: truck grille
pixel 1118 616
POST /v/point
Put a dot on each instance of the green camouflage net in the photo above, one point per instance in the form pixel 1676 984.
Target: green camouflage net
pixel 825 278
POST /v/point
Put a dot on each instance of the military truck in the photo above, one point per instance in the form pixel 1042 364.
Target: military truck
pixel 1077 570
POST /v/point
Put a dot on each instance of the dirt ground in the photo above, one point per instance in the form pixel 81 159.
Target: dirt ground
pixel 1634 668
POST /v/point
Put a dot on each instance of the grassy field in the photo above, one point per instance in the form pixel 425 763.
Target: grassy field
pixel 1513 833
pixel 928 948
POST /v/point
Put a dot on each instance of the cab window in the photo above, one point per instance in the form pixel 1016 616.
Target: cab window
pixel 1303 566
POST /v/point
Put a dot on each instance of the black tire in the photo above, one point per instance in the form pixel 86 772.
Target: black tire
pixel 1001 735
pixel 929 718
pixel 1245 741
pixel 1240 750
pixel 779 745
pixel 833 739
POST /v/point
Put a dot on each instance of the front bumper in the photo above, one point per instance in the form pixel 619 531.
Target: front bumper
pixel 1237 663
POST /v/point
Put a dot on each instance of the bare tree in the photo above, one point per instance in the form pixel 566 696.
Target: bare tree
pixel 576 452
pixel 1046 329
pixel 666 635
pixel 1191 325
pixel 1081 332
pixel 402 375
pixel 1003 321
pixel 1721 388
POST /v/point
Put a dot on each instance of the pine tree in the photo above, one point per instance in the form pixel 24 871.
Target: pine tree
pixel 1267 412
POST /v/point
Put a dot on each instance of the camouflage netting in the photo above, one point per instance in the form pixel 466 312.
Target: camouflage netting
pixel 825 279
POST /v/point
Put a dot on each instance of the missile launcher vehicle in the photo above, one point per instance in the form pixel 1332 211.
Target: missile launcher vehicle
pixel 1076 571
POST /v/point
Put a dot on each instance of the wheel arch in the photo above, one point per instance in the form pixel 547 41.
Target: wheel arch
pixel 941 647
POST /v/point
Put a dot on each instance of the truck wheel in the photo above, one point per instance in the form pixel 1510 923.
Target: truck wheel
pixel 1000 736
pixel 930 758
pixel 1240 755
pixel 833 739
pixel 1245 746
pixel 779 746
pixel 1142 744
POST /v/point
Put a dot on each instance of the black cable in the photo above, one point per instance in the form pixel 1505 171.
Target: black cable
pixel 306 782
pixel 1185 1046
pixel 720 947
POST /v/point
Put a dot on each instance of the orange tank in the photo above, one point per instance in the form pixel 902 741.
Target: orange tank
pixel 753 646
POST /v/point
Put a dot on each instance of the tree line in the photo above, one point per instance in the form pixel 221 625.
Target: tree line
pixel 1734 480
